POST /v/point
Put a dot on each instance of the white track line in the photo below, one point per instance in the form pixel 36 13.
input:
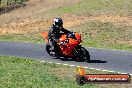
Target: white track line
pixel 111 71
pixel 72 65
pixel 123 73
pixel 105 70
pixel 50 62
pixel 65 64
pixel 58 63
pixel 77 66
pixel 85 67
pixel 91 68
pixel 98 69
pixel 118 72
pixel 43 61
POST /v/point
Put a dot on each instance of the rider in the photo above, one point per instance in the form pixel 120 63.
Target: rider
pixel 54 34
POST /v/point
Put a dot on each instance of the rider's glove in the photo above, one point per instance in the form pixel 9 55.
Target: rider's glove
pixel 69 34
pixel 56 40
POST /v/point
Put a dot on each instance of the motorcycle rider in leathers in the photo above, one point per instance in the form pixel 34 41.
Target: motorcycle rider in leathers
pixel 54 34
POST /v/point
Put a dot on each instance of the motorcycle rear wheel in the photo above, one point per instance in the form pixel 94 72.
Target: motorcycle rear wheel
pixel 49 50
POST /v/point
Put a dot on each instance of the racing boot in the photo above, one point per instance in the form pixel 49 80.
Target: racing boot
pixel 57 54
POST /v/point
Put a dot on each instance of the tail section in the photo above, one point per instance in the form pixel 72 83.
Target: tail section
pixel 45 36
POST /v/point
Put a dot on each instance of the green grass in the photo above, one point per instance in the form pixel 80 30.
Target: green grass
pixel 25 73
pixel 97 7
pixel 105 35
pixel 30 38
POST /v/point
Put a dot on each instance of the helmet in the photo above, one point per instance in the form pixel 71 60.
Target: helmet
pixel 58 22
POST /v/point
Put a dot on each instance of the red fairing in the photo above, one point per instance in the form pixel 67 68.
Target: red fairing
pixel 70 43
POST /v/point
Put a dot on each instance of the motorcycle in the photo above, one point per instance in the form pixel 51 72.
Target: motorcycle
pixel 69 45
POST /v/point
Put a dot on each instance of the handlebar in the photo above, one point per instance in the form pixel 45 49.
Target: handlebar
pixel 71 35
pixel 65 42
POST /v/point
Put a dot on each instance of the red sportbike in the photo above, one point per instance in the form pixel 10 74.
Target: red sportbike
pixel 69 46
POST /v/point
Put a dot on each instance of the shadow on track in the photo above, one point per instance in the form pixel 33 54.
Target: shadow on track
pixel 91 61
pixel 66 59
pixel 97 61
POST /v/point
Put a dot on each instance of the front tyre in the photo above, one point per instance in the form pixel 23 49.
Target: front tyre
pixel 81 54
pixel 85 54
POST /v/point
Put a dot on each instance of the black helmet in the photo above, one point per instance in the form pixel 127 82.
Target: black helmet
pixel 58 22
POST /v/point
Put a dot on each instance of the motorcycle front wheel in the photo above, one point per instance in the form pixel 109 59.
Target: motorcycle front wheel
pixel 81 54
pixel 85 54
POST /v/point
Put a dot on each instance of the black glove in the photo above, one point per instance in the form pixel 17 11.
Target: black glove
pixel 69 34
pixel 56 40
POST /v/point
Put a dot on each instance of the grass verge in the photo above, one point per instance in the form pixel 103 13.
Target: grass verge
pixel 25 73
pixel 97 7
pixel 106 35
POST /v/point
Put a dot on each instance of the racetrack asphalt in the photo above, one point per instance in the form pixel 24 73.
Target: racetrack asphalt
pixel 105 59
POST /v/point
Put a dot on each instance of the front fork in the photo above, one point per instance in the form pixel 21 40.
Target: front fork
pixel 76 51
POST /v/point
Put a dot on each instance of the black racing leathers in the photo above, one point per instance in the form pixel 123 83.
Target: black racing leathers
pixel 53 36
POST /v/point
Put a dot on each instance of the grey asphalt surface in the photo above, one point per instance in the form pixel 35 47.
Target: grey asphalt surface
pixel 114 60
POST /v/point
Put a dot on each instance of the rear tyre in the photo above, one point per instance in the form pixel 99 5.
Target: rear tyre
pixel 50 50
